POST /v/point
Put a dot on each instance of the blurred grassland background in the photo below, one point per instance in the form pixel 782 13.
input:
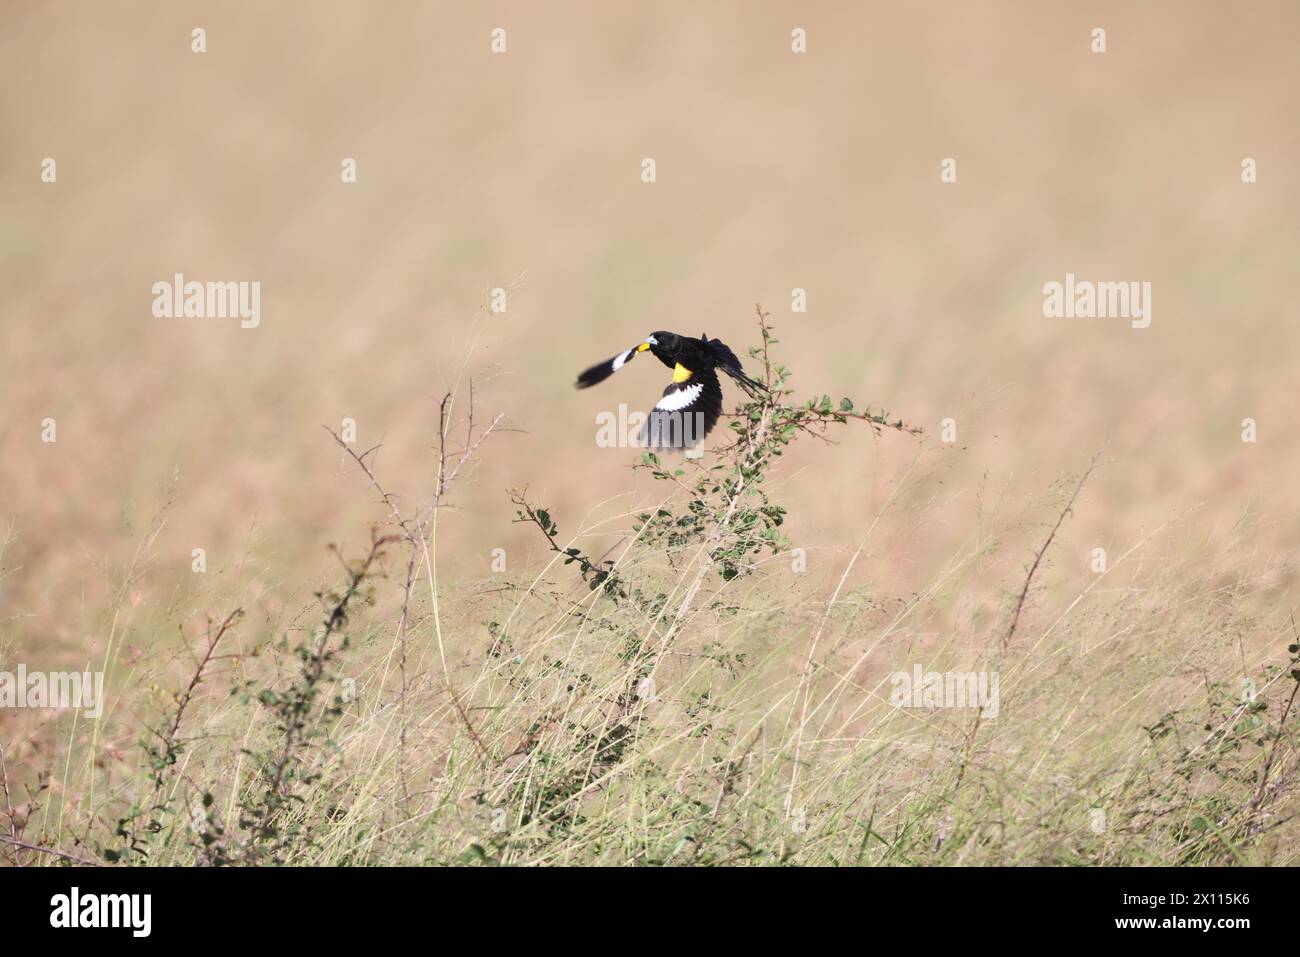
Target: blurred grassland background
pixel 521 170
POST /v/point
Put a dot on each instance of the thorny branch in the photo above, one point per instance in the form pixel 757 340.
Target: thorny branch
pixel 419 529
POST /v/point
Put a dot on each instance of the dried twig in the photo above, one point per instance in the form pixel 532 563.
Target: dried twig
pixel 49 850
pixel 1038 558
pixel 1020 604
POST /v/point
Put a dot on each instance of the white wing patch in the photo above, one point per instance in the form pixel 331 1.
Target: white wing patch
pixel 684 414
pixel 622 358
pixel 681 398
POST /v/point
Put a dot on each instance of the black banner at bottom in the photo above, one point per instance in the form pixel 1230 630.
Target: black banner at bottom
pixel 307 906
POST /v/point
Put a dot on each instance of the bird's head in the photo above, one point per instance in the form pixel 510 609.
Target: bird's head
pixel 664 345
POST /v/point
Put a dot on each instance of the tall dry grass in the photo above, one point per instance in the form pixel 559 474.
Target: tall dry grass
pixel 674 684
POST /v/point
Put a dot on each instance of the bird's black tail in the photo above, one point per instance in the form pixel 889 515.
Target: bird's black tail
pixel 728 363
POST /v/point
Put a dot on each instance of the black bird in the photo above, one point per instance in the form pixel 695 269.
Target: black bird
pixel 691 405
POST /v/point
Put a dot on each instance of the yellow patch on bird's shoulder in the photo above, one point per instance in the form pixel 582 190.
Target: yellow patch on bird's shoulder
pixel 681 373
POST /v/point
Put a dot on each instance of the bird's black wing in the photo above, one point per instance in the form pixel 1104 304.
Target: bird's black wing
pixel 603 370
pixel 685 413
